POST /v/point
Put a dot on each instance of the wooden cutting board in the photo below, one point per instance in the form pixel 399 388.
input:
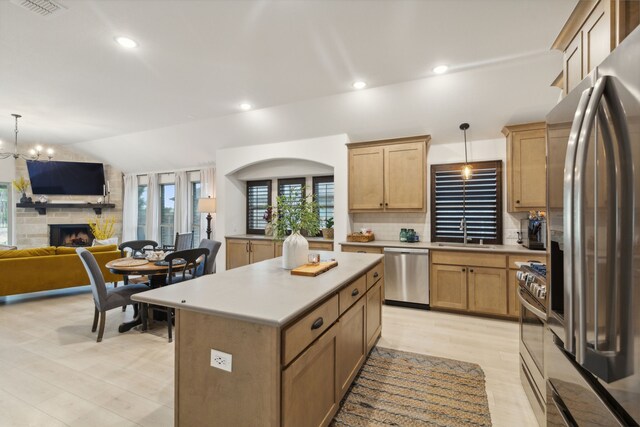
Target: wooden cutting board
pixel 312 270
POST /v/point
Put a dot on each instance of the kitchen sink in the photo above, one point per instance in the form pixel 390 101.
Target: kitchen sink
pixel 468 245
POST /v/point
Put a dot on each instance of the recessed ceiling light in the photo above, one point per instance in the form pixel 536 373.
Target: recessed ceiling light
pixel 245 106
pixel 440 69
pixel 126 42
pixel 359 84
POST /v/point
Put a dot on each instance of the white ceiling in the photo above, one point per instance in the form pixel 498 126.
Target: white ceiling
pixel 197 60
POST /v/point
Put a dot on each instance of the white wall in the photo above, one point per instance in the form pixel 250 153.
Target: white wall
pixel 231 191
pixel 387 226
pixel 8 174
pixel 283 168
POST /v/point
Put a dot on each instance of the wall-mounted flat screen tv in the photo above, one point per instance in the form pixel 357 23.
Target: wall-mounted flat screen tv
pixel 66 178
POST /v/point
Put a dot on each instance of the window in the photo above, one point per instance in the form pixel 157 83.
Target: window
pixel 142 212
pixel 195 218
pixel 291 187
pixel 323 193
pixel 258 200
pixel 479 199
pixel 4 214
pixel 167 211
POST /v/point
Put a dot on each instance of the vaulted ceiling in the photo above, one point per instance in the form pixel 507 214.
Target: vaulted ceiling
pixel 198 60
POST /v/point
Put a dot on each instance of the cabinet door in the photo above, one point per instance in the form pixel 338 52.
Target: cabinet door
pixel 528 162
pixel 320 246
pixel 404 176
pixel 598 39
pixel 374 313
pixel 278 249
pixel 366 179
pixel 237 253
pixel 309 388
pixel 488 290
pixel 573 68
pixel 448 286
pixel 352 345
pixel 514 302
pixel 362 249
pixel 261 250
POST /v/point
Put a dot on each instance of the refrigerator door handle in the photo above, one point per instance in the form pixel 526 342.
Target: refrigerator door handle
pixel 570 159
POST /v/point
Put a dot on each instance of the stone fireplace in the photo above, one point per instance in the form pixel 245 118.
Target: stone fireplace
pixel 70 235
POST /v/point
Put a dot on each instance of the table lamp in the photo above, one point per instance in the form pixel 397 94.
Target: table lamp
pixel 207 205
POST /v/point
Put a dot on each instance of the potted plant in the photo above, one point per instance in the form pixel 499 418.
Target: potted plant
pixel 21 185
pixel 290 216
pixel 327 232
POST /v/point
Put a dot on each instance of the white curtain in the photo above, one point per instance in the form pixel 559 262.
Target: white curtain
pixel 153 208
pixel 207 188
pixel 130 208
pixel 181 218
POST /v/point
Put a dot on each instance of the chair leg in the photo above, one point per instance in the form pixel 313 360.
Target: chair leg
pixel 103 315
pixel 135 309
pixel 143 314
pixel 169 323
pixel 95 320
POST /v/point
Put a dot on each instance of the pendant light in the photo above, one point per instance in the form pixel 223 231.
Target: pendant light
pixel 467 170
pixel 34 154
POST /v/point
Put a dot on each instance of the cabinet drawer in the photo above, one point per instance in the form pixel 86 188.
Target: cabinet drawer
pixel 352 293
pixel 362 249
pixel 321 246
pixel 527 257
pixel 302 333
pixel 469 258
pixel 375 274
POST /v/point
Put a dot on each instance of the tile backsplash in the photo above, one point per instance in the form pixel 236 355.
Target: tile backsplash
pixel 386 226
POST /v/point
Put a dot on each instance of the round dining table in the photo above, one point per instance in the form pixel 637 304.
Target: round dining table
pixel 156 271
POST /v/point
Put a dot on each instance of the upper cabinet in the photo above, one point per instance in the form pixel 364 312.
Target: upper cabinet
pixel 526 167
pixel 593 30
pixel 388 175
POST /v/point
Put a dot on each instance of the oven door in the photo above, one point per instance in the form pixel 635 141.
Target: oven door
pixel 532 326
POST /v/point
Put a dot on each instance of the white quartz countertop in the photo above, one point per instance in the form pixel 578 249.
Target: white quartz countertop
pixel 518 249
pixel 263 237
pixel 263 292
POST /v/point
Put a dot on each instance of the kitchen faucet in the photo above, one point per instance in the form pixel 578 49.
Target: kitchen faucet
pixel 463 228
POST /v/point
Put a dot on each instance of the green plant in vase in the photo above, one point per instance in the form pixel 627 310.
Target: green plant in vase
pixel 291 215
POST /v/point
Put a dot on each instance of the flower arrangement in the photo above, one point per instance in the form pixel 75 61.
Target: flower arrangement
pixel 102 227
pixel 291 215
pixel 268 214
pixel 21 185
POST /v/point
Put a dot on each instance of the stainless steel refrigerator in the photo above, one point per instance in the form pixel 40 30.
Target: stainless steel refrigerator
pixel 592 344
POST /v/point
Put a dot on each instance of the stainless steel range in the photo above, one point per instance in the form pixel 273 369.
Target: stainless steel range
pixel 532 293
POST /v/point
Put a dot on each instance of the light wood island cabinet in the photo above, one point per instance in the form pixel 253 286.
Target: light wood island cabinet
pixel 526 167
pixel 241 252
pixel 388 175
pixel 294 355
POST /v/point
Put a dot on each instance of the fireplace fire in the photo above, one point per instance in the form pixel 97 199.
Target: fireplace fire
pixel 72 235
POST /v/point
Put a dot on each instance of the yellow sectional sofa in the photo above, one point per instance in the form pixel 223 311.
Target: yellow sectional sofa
pixel 43 269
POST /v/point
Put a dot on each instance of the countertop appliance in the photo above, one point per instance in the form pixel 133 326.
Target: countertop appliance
pixel 592 344
pixel 406 277
pixel 532 293
pixel 534 232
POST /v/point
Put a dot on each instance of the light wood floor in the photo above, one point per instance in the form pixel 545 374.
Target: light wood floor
pixel 53 373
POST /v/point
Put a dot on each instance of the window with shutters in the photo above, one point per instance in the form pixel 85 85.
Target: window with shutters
pixel 478 199
pixel 323 194
pixel 291 187
pixel 258 200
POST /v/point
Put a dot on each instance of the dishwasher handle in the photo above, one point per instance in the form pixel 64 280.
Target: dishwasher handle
pixel 411 251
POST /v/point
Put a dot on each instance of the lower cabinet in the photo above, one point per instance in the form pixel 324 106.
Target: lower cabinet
pixel 512 297
pixel 374 313
pixel 309 388
pixel 448 286
pixel 241 252
pixel 352 344
pixel 314 245
pixel 487 290
pixel 260 250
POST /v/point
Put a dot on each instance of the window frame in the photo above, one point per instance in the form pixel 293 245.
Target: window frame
pixel 256 183
pixel 497 164
pixel 193 209
pixel 288 181
pixel 323 180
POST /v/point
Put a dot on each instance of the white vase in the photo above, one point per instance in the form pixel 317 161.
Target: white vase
pixel 295 251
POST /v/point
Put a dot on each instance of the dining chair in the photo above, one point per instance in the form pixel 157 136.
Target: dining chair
pixel 182 242
pixel 182 267
pixel 210 266
pixel 103 298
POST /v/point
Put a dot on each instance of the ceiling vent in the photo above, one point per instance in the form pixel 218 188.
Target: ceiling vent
pixel 45 8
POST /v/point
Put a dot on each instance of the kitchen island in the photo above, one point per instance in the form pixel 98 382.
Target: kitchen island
pixel 295 343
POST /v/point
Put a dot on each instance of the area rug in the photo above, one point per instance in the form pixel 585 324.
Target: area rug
pixel 396 388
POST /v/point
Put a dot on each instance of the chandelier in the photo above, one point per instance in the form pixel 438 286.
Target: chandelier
pixel 34 153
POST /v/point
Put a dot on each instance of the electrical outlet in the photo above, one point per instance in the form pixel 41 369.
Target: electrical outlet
pixel 221 360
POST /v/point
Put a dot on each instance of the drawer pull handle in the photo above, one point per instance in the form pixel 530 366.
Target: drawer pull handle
pixel 471 270
pixel 362 252
pixel 375 275
pixel 355 292
pixel 318 323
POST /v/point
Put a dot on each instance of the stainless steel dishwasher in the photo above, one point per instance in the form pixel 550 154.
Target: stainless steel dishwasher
pixel 406 277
